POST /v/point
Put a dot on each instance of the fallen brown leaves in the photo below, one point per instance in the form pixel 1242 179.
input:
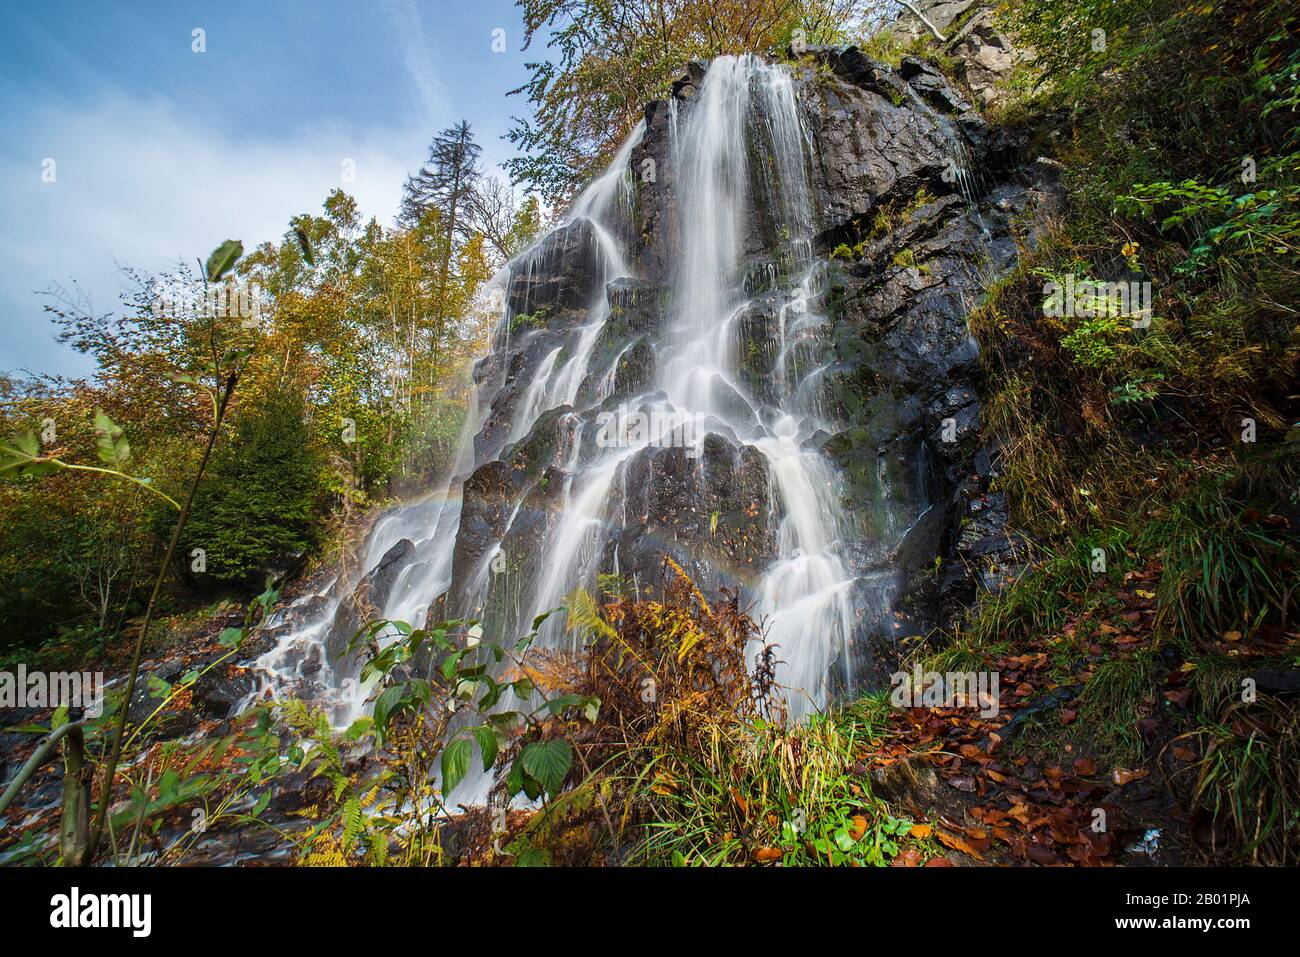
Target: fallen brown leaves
pixel 1051 814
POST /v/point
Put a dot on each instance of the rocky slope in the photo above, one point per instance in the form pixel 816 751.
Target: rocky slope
pixel 916 208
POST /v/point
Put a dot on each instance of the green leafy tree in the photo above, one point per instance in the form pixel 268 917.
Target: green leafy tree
pixel 261 499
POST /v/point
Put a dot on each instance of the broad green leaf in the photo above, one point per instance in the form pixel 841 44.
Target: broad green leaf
pixel 386 704
pixel 358 728
pixel 491 695
pixel 534 857
pixel 25 467
pixel 531 788
pixel 28 444
pixel 455 764
pixel 487 744
pixel 514 779
pixel 167 786
pixel 451 661
pixel 234 357
pixel 223 259
pixel 110 443
pixel 503 721
pixel 557 704
pixel 547 762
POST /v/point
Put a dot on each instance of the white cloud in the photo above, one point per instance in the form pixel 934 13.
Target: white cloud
pixel 141 184
pixel 408 30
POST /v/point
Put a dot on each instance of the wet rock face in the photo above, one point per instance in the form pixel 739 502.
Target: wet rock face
pixel 563 273
pixel 932 86
pixel 373 591
pixel 881 135
pixel 623 357
pixel 907 369
pixel 914 245
pixel 871 144
pixel 711 513
pixel 656 209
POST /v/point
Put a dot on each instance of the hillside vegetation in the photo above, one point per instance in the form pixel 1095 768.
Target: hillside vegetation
pixel 1146 643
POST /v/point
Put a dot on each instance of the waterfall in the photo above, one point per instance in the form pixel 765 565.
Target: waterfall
pixel 739 154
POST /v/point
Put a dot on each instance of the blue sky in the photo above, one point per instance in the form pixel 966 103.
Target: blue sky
pixel 160 152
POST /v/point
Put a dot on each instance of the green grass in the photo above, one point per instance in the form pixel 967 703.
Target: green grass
pixel 1113 701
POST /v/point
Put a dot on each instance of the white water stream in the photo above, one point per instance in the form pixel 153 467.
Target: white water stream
pixel 808 596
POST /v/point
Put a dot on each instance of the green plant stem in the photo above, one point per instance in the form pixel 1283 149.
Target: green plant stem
pixel 38 757
pixel 130 478
pixel 175 693
pixel 110 768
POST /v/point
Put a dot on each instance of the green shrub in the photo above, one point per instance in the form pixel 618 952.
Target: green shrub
pixel 263 493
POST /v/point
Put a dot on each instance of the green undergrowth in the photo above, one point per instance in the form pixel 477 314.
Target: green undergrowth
pixel 1163 444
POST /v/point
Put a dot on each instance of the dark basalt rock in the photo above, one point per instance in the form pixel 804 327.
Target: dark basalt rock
pixel 931 84
pixel 527 353
pixel 624 346
pixel 688 85
pixel 562 273
pixel 371 593
pixel 898 367
pixel 876 141
pixel 655 202
pixel 216 694
pixel 711 513
pixel 489 496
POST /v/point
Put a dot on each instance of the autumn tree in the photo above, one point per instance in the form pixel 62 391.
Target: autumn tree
pixel 440 191
pixel 355 387
pixel 607 58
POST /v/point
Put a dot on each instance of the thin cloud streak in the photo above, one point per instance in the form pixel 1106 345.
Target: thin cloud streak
pixel 408 30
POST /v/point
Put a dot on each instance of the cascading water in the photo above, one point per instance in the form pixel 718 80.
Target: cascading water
pixel 738 149
pixel 805 594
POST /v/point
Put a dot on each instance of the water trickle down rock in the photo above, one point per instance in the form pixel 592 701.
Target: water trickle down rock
pixel 682 369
